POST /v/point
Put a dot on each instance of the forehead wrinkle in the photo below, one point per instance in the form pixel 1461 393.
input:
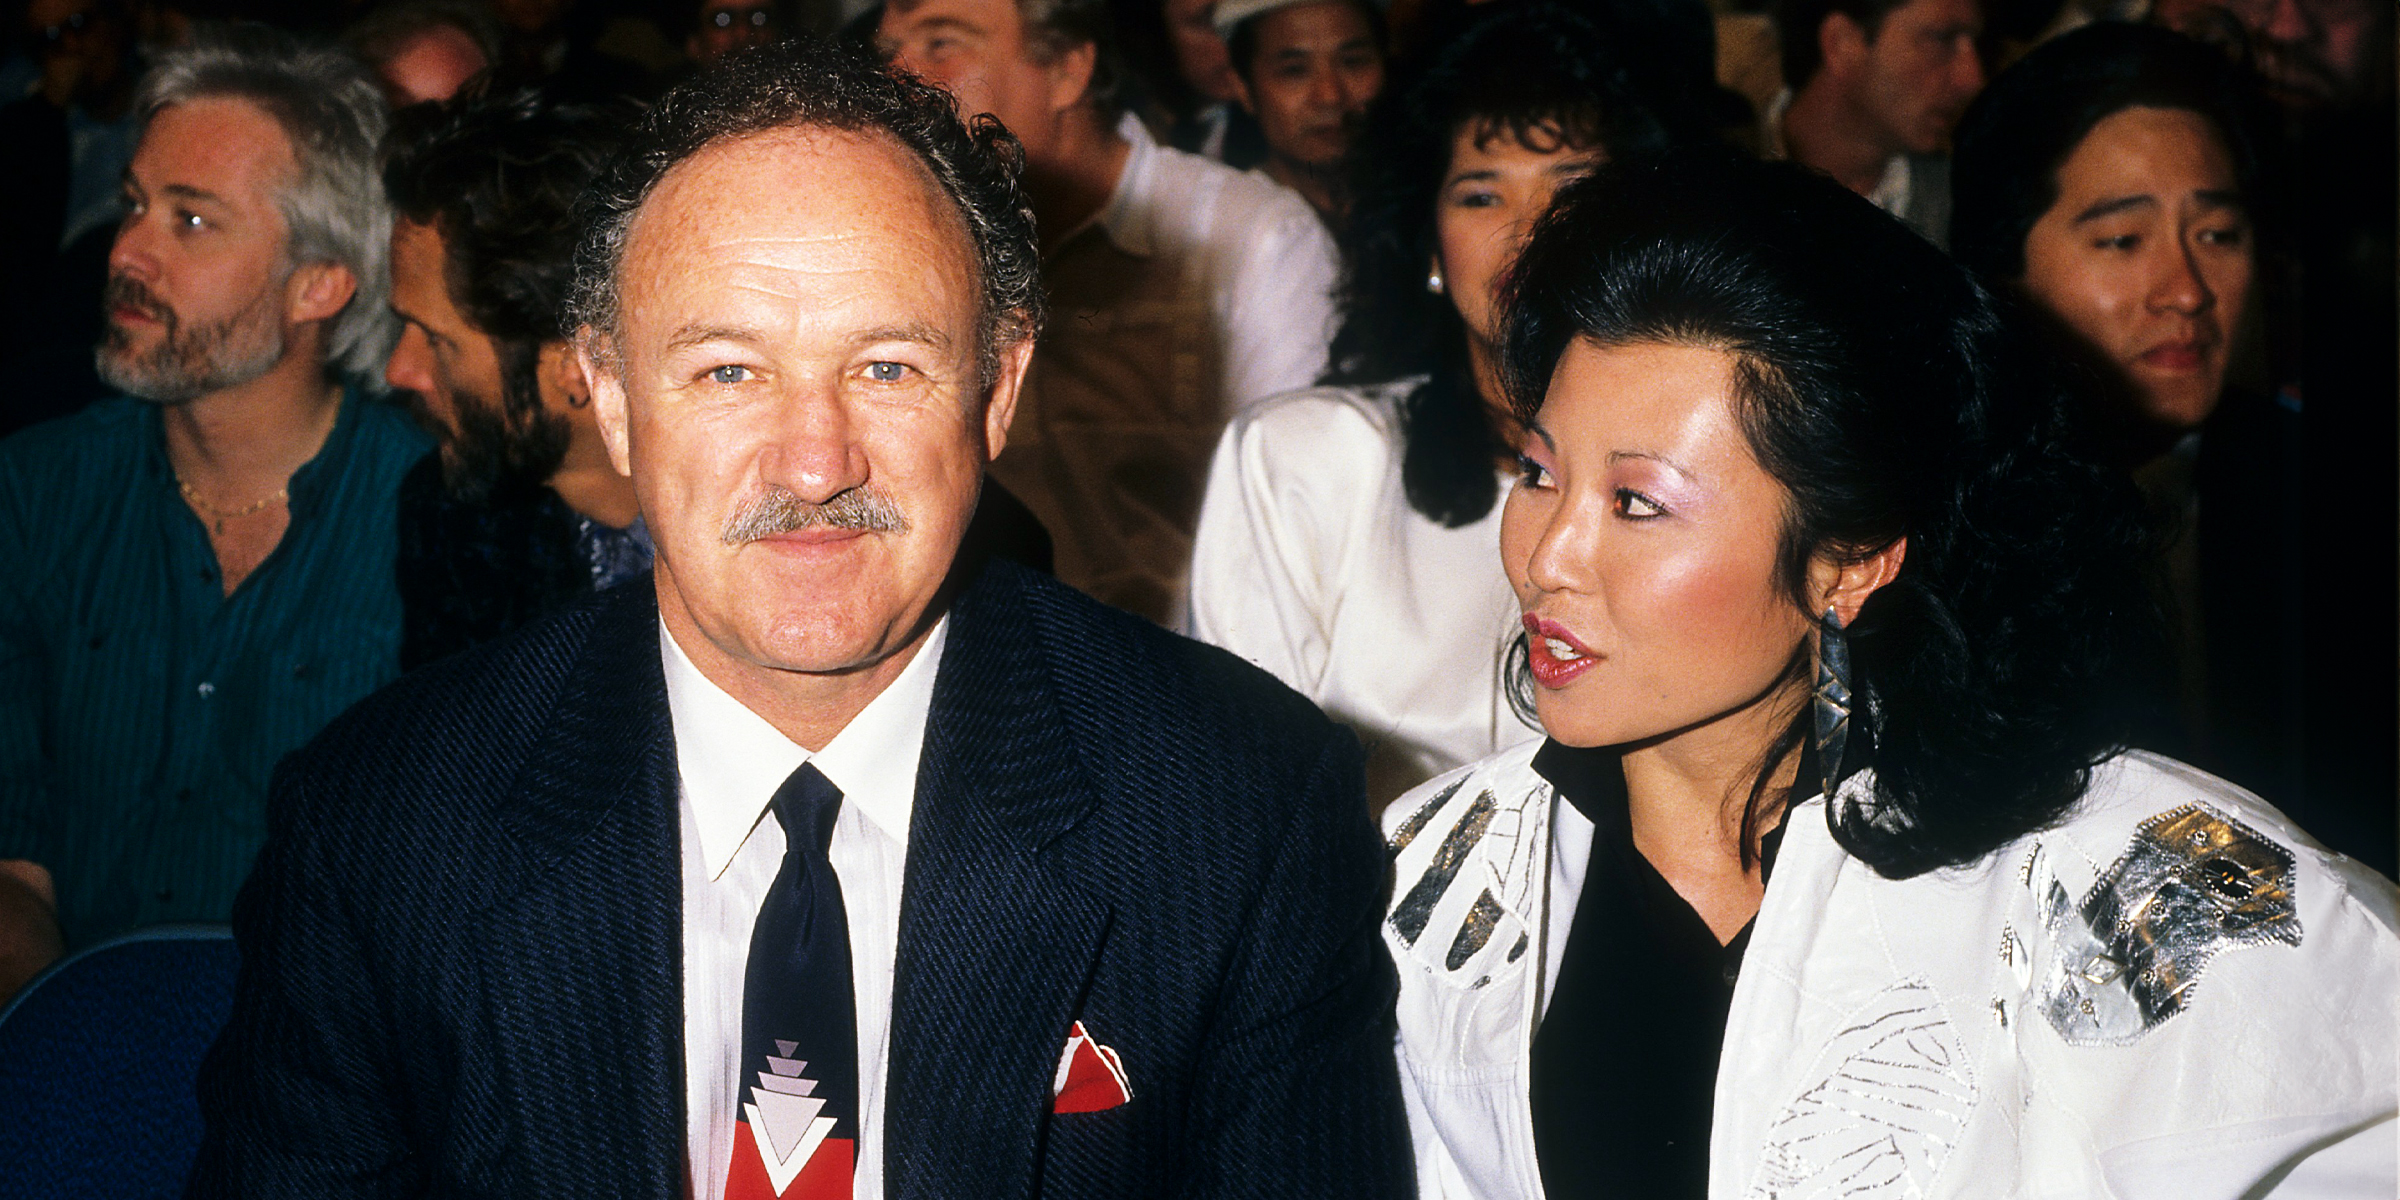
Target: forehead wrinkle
pixel 865 220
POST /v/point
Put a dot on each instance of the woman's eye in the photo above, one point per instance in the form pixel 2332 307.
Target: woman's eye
pixel 728 374
pixel 1476 200
pixel 1532 473
pixel 1635 506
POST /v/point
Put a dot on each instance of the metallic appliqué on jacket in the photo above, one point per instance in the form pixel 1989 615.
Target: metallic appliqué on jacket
pixel 1415 824
pixel 1416 908
pixel 1486 852
pixel 1887 1100
pixel 2192 883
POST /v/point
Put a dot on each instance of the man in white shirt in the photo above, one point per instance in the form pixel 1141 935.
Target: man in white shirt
pixel 1181 290
pixel 1872 89
pixel 837 862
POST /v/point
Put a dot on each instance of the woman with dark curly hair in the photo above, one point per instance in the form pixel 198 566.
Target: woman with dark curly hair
pixel 1347 521
pixel 1833 876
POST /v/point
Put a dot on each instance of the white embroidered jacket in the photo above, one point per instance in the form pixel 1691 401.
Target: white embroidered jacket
pixel 2174 993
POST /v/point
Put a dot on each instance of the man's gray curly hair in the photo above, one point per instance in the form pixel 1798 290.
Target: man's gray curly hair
pixel 823 85
pixel 334 210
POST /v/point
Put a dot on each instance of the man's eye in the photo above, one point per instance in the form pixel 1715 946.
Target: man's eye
pixel 2123 241
pixel 190 220
pixel 728 374
pixel 886 372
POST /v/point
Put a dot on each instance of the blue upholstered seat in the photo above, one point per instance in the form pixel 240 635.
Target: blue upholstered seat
pixel 97 1057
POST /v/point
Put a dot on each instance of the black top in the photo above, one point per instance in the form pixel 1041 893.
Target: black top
pixel 1625 1058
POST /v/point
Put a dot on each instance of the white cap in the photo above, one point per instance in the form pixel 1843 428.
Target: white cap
pixel 1230 13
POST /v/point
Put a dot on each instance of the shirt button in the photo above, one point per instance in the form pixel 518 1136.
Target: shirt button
pixel 207 689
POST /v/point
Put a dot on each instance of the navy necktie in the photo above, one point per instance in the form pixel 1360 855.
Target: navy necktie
pixel 798 1131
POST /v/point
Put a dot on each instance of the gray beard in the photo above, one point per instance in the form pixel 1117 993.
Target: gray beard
pixel 187 364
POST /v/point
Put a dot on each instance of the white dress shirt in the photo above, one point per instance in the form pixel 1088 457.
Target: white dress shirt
pixel 731 761
pixel 1311 563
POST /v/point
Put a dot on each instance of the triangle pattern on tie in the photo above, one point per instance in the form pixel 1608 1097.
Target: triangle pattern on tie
pixel 798 1132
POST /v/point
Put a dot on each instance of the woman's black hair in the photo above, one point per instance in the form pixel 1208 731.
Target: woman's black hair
pixel 2023 128
pixel 1539 71
pixel 1879 383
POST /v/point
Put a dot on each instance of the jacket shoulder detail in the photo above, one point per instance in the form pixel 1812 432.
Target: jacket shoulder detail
pixel 2192 883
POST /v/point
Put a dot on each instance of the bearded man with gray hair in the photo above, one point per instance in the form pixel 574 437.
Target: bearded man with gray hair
pixel 201 571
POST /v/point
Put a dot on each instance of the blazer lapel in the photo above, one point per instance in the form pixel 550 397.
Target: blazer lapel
pixel 996 948
pixel 583 965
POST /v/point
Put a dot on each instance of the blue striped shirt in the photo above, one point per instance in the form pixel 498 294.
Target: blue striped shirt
pixel 142 709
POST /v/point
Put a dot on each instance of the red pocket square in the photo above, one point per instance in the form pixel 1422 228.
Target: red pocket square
pixel 1090 1076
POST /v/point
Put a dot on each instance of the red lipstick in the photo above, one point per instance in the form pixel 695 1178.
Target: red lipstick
pixel 1556 656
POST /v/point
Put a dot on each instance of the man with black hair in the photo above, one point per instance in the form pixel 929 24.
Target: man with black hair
pixel 1308 69
pixel 520 514
pixel 1872 89
pixel 1184 290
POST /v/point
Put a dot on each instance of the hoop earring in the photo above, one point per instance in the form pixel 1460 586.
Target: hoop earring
pixel 1433 278
pixel 1831 699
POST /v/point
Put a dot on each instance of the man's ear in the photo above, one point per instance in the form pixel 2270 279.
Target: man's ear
pixel 608 397
pixel 1842 43
pixel 566 389
pixel 1071 76
pixel 1844 587
pixel 318 291
pixel 1000 404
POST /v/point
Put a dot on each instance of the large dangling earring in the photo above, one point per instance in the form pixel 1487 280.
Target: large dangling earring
pixel 1831 699
pixel 1433 278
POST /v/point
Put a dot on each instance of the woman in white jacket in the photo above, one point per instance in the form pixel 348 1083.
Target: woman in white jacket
pixel 1791 529
pixel 1346 522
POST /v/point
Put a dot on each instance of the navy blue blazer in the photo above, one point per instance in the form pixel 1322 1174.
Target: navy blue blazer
pixel 462 945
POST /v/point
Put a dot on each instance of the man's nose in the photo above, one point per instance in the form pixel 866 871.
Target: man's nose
pixel 2288 22
pixel 131 253
pixel 1966 69
pixel 1325 88
pixel 2179 287
pixel 409 368
pixel 815 452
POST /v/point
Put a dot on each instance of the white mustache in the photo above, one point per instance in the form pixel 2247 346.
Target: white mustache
pixel 779 510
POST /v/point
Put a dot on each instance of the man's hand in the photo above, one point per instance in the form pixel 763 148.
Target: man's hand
pixel 29 937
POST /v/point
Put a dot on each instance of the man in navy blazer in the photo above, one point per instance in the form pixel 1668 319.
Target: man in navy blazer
pixel 1109 897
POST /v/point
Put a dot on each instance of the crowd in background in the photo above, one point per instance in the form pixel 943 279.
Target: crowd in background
pixel 1266 410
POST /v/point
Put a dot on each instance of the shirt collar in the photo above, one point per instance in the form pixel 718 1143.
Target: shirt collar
pixel 731 760
pixel 1126 218
pixel 1891 192
pixel 1770 125
pixel 1593 781
pixel 306 483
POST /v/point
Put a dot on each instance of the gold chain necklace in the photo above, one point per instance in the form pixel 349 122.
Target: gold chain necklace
pixel 223 515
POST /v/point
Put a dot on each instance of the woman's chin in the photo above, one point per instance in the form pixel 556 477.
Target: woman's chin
pixel 1577 721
